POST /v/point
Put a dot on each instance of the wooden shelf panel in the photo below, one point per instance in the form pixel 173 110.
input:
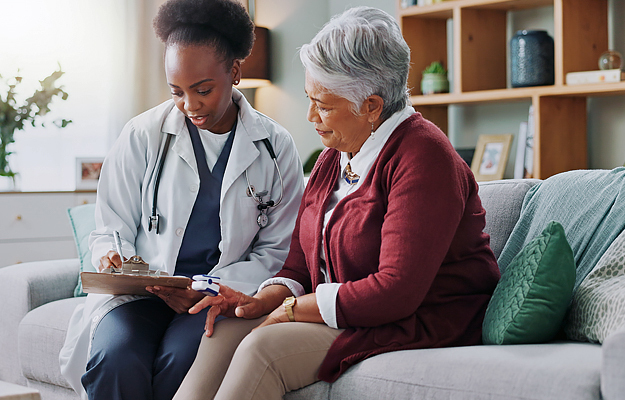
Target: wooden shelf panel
pixel 519 94
pixel 445 9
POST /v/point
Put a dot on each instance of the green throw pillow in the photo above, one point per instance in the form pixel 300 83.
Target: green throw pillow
pixel 531 299
pixel 82 219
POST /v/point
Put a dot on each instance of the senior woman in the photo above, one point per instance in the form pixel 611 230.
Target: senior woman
pixel 388 251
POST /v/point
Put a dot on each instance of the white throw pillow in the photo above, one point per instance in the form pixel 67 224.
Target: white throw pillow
pixel 598 307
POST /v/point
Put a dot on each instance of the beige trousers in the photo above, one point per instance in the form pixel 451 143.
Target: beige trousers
pixel 234 364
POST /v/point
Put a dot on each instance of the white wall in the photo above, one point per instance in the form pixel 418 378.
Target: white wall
pixel 293 23
pixel 113 71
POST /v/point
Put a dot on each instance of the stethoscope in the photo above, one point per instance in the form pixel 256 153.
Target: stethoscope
pixel 262 220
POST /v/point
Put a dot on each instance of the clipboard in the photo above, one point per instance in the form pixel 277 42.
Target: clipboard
pixel 119 283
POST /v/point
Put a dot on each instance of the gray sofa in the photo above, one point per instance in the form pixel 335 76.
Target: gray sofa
pixel 37 304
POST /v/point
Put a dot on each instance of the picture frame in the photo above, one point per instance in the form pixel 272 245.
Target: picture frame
pixel 88 172
pixel 491 157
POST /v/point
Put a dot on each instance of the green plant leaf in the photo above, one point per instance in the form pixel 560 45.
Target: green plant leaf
pixel 13 116
pixel 435 68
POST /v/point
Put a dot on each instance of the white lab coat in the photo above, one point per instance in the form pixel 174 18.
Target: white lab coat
pixel 249 255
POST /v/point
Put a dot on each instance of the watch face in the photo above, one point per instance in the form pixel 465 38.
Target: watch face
pixel 289 301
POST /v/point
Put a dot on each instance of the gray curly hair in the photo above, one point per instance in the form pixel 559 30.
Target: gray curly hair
pixel 360 53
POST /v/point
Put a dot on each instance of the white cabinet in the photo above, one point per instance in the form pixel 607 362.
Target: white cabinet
pixel 34 226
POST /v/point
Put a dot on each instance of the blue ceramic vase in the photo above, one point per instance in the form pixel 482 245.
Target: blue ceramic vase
pixel 531 59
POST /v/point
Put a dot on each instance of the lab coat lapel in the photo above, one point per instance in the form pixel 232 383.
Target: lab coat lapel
pixel 175 123
pixel 242 155
pixel 244 151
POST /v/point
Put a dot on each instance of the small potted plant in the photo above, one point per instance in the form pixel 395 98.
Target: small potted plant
pixel 434 79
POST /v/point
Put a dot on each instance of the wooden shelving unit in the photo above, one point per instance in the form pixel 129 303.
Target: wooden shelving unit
pixel 480 68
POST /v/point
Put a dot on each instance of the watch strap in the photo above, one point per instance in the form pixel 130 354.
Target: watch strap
pixel 289 302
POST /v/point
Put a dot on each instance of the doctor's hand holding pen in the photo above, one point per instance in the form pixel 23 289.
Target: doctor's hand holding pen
pixel 232 303
pixel 114 259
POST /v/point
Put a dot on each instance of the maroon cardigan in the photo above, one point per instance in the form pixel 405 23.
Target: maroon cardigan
pixel 408 246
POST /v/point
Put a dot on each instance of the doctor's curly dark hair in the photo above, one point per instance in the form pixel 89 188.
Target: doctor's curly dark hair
pixel 223 24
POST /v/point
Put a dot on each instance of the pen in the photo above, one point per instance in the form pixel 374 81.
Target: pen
pixel 118 244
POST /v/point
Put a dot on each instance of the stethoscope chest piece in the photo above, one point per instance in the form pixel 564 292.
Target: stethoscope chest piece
pixel 262 219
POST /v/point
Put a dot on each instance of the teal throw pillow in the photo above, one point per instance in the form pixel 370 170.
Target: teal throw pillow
pixel 531 299
pixel 82 219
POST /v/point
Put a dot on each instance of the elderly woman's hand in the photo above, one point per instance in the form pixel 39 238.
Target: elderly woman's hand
pixel 305 310
pixel 229 303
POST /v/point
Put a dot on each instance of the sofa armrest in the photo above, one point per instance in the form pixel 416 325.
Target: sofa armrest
pixel 24 287
pixel 612 371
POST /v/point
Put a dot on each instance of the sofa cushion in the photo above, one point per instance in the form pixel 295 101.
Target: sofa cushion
pixel 598 307
pixel 82 219
pixel 559 370
pixel 502 201
pixel 612 377
pixel 41 335
pixel 530 301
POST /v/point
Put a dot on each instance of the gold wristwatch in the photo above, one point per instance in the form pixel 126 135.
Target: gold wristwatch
pixel 288 303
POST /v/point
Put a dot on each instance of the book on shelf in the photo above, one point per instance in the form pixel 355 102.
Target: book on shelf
pixel 529 145
pixel 599 76
pixel 519 164
pixel 410 3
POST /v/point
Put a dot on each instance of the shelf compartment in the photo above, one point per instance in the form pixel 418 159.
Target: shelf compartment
pixel 560 141
pixel 581 35
pixel 480 49
pixel 427 39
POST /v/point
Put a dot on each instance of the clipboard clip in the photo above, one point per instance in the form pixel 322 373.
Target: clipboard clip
pixel 136 266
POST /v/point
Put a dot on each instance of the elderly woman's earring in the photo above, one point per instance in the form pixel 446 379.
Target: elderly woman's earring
pixel 372 132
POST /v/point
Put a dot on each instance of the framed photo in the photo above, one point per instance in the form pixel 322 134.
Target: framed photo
pixel 88 172
pixel 491 156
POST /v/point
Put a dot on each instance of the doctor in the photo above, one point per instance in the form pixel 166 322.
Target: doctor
pixel 203 218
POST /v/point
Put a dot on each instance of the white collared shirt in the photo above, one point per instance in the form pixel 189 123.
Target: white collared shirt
pixel 360 164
